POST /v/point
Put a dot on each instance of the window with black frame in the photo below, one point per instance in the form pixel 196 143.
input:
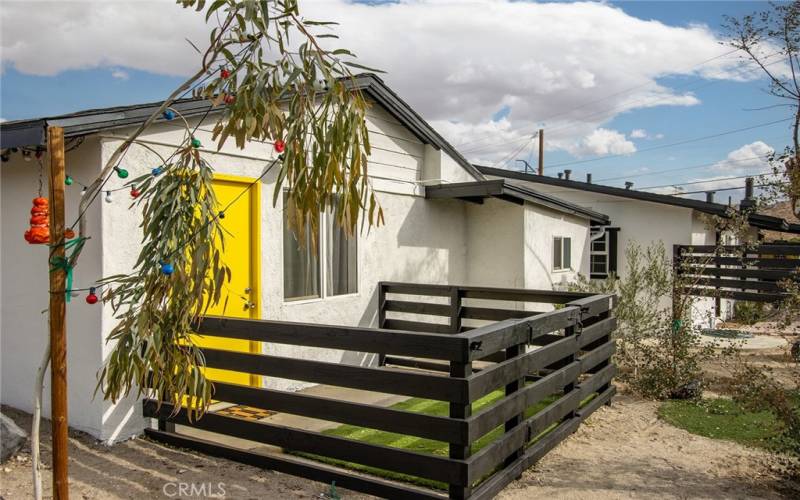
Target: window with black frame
pixel 603 253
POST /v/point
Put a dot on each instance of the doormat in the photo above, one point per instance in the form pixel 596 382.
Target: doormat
pixel 243 411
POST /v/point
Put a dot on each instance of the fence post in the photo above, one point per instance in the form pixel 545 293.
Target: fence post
pixel 512 387
pixel 461 411
pixel 570 331
pixel 455 309
pixel 381 316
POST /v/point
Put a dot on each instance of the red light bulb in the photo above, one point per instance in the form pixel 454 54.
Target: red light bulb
pixel 224 73
pixel 135 193
pixel 280 146
pixel 91 298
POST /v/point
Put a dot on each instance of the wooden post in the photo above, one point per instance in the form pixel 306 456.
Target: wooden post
pixel 57 310
pixel 460 411
pixel 541 151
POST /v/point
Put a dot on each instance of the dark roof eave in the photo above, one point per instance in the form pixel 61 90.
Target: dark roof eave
pixel 503 190
pixel 760 221
pixel 31 132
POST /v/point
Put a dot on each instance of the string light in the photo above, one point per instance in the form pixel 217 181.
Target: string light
pixel 84 189
pixel 91 298
pixel 135 192
pixel 156 171
pixel 26 155
pixel 68 180
pixel 108 197
pixel 221 215
pixel 230 99
pixel 121 172
pixel 196 142
pixel 168 114
pixel 167 268
pixel 224 73
pixel 280 146
pixel 39 153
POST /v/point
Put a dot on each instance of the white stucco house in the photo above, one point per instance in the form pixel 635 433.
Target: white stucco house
pixel 446 223
pixel 644 218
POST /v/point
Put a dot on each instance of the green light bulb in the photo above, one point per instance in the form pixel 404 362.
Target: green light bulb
pixel 68 180
pixel 196 143
pixel 122 173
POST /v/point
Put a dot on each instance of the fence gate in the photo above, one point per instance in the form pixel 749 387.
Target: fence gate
pixel 736 272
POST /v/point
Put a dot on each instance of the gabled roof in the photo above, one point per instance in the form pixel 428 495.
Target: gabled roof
pixel 509 191
pixel 762 221
pixel 32 132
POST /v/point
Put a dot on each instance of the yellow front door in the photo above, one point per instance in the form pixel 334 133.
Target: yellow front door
pixel 240 297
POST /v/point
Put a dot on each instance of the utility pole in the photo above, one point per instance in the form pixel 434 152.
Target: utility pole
pixel 58 311
pixel 541 151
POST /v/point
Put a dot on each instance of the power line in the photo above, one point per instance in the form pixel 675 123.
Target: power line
pixel 705 181
pixel 673 144
pixel 691 167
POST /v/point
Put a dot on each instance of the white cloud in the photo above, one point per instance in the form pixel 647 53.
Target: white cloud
pixel 750 157
pixel 640 133
pixel 603 142
pixel 120 74
pixel 570 66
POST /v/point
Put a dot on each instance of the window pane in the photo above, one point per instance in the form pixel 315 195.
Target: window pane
pixel 342 273
pixel 300 263
pixel 598 264
pixel 557 253
pixel 567 253
pixel 599 245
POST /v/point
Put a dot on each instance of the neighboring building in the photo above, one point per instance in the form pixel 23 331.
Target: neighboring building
pixel 783 210
pixel 444 224
pixel 643 218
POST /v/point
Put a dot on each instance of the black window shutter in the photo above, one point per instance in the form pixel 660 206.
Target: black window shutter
pixel 612 250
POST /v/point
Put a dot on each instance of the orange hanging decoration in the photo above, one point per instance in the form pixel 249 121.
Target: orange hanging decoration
pixel 39 233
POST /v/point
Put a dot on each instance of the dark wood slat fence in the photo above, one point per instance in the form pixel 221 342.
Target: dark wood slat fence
pixel 736 273
pixel 440 359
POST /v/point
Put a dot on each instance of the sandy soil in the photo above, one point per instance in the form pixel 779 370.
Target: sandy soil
pixel 625 451
pixel 621 452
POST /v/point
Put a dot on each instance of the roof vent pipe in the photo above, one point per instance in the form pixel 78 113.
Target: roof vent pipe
pixel 628 184
pixel 710 196
pixel 567 173
pixel 748 201
pixel 588 178
pixel 560 175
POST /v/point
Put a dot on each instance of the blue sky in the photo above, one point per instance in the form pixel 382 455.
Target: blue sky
pixel 485 109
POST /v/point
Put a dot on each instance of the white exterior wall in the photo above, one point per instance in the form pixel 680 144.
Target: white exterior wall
pixel 24 274
pixel 422 241
pixel 495 235
pixel 541 226
pixel 646 223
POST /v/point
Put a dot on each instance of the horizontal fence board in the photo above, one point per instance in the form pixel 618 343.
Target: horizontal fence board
pixel 492 486
pixel 489 339
pixel 520 295
pixel 347 412
pixel 515 368
pixel 597 402
pixel 764 248
pixel 737 272
pixel 730 294
pixel 395 459
pixel 766 286
pixel 596 381
pixel 417 307
pixel 418 363
pixel 385 341
pixel 419 384
pixel 597 356
pixel 594 305
pixel 596 331
pixel 491 314
pixel 517 402
pixel 415 289
pixel 416 326
pixel 759 262
pixel 486 459
pixel 296 466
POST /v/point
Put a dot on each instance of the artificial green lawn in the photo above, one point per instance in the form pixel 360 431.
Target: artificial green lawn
pixel 418 444
pixel 724 419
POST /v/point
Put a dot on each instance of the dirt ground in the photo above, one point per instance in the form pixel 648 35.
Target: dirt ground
pixel 620 452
